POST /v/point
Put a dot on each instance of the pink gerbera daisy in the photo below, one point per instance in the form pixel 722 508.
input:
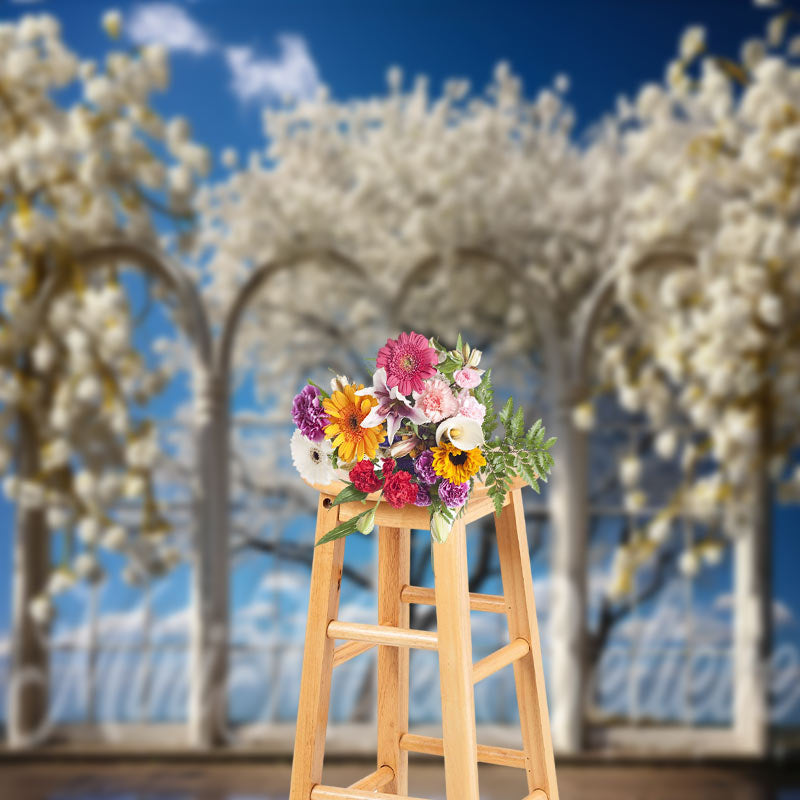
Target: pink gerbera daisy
pixel 408 360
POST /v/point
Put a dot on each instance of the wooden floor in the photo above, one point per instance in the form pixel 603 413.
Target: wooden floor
pixel 143 780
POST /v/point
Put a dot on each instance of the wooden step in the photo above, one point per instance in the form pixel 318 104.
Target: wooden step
pixel 421 595
pixel 320 792
pixel 375 781
pixel 344 652
pixel 383 634
pixel 512 652
pixel 487 754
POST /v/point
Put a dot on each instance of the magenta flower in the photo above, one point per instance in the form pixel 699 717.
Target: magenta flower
pixel 392 407
pixel 308 414
pixel 453 495
pixel 408 360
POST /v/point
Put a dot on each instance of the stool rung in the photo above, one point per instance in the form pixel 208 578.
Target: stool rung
pixel 382 634
pixel 536 794
pixel 320 792
pixel 506 655
pixel 344 652
pixel 420 595
pixel 375 780
pixel 487 754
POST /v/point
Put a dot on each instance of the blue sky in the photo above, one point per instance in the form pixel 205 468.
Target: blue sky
pixel 230 57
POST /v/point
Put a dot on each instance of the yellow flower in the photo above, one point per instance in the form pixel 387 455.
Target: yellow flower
pixel 346 412
pixel 457 466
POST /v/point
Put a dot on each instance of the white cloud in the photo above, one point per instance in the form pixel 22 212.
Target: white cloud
pixel 290 74
pixel 169 25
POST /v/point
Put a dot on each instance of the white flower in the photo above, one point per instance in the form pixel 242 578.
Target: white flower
pixel 712 553
pixel 666 444
pixel 57 517
pixel 88 530
pixel 770 309
pixel 630 470
pixel 87 567
pixel 693 42
pixel 338 383
pixel 635 501
pixel 85 485
pixel 42 610
pixel 659 529
pixel 61 580
pixel 114 538
pixel 312 459
pixel 88 389
pixel 583 416
pixel 689 563
pixel 112 23
pixel 43 355
pixel 463 432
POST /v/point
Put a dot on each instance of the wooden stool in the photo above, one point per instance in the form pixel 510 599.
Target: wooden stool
pixel 393 637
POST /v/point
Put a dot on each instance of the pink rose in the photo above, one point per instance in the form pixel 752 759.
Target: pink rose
pixel 469 407
pixel 437 401
pixel 467 378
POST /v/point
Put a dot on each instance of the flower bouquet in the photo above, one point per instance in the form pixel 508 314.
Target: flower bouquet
pixel 422 434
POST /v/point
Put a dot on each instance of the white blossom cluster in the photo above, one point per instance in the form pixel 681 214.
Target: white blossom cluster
pixel 426 193
pixel 709 279
pixel 71 177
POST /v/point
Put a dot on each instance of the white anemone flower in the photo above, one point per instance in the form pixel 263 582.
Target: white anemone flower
pixel 312 459
pixel 462 432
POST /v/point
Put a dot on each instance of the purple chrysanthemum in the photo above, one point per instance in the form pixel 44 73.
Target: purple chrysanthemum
pixel 423 498
pixel 309 415
pixel 423 466
pixel 453 495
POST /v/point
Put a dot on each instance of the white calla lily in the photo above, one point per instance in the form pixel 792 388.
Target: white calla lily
pixel 462 432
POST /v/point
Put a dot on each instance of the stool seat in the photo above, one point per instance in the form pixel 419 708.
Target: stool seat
pixel 479 505
pixel 452 640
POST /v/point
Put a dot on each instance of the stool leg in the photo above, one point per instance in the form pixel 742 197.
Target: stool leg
pixel 315 681
pixel 394 565
pixel 515 567
pixel 451 584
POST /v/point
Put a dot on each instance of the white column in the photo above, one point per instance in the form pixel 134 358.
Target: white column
pixel 568 499
pixel 209 633
pixel 752 616
pixel 28 685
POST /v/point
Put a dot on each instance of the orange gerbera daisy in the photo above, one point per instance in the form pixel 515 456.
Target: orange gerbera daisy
pixel 346 411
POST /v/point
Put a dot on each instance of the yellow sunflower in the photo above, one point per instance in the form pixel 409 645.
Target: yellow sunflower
pixel 457 466
pixel 346 412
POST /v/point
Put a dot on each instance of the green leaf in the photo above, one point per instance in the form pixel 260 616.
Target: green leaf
pixel 344 529
pixel 508 410
pixel 348 495
pixel 549 443
pixel 518 423
pixel 322 392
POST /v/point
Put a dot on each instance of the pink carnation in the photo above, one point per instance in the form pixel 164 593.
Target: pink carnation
pixel 467 378
pixel 437 401
pixel 469 407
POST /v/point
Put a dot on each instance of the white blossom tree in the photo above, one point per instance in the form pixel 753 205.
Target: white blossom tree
pixel 72 385
pixel 710 350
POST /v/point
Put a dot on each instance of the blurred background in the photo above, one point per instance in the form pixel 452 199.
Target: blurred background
pixel 205 204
